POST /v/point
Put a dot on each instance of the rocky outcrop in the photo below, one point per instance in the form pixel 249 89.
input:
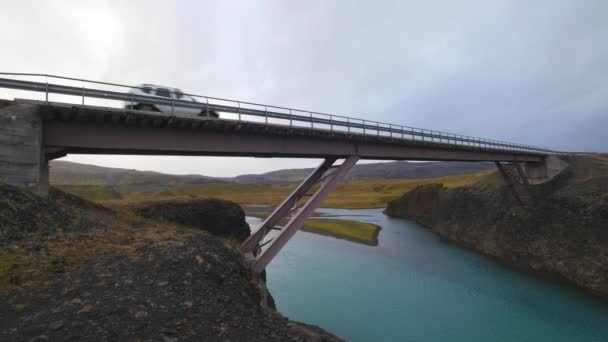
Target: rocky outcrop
pixel 121 281
pixel 25 214
pixel 562 235
pixel 218 217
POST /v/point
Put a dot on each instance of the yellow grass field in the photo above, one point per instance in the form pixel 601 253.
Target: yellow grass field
pixel 368 193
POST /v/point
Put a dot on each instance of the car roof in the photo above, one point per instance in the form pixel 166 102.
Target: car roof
pixel 158 86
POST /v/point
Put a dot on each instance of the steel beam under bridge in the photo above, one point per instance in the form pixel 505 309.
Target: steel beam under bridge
pixel 89 131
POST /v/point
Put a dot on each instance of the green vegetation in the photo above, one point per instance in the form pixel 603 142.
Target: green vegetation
pixel 356 231
pixel 95 193
pixel 9 258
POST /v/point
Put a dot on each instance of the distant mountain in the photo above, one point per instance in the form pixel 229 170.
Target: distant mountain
pixel 391 170
pixel 69 173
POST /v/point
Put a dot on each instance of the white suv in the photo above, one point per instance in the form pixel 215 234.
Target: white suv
pixel 167 93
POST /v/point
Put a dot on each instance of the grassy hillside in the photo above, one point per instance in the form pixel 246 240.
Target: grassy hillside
pixel 68 173
pixel 367 186
pixel 368 193
pixel 392 170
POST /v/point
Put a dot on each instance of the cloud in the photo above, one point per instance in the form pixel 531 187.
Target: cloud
pixel 529 72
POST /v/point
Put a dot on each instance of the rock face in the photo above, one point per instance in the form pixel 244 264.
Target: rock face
pixel 563 235
pixel 218 217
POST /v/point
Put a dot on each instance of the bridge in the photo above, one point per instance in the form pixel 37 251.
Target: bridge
pixel 53 116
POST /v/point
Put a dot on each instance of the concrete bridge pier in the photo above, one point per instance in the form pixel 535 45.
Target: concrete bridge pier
pixel 538 173
pixel 23 159
pixel 518 176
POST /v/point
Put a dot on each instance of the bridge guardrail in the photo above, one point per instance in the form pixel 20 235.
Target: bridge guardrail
pixel 241 110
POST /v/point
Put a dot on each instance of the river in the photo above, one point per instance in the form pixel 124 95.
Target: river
pixel 413 287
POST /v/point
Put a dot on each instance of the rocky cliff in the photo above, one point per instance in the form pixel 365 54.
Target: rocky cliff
pixel 218 217
pixel 72 270
pixel 563 234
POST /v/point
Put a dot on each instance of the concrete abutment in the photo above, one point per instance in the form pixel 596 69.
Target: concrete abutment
pixel 23 162
pixel 538 173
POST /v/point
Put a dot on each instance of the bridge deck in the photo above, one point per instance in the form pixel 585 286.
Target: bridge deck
pixel 101 130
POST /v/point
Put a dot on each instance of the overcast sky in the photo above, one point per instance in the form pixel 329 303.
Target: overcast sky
pixel 533 72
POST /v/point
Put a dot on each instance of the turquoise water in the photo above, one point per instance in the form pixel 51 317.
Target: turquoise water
pixel 413 287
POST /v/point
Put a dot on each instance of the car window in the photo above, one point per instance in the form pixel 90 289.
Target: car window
pixel 146 90
pixel 181 96
pixel 164 92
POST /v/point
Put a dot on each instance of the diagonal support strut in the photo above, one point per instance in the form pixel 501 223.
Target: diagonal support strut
pixel 284 209
pixel 328 184
pixel 517 181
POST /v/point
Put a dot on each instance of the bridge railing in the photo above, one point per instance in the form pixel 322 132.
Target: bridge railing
pixel 86 93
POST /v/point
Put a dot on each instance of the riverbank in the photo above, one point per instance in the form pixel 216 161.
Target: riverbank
pixel 73 270
pixel 562 236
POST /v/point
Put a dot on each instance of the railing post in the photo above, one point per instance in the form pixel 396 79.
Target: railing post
pixel 348 125
pixel 266 116
pixel 402 135
pixel 364 131
pixel 207 109
pixel 311 123
pixel 290 118
pixel 239 110
pixel 47 90
pixel 172 106
pixel 331 123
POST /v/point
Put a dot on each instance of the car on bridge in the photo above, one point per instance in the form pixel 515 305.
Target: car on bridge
pixel 178 101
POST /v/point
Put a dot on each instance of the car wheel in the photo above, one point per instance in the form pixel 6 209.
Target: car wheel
pixel 210 114
pixel 147 107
